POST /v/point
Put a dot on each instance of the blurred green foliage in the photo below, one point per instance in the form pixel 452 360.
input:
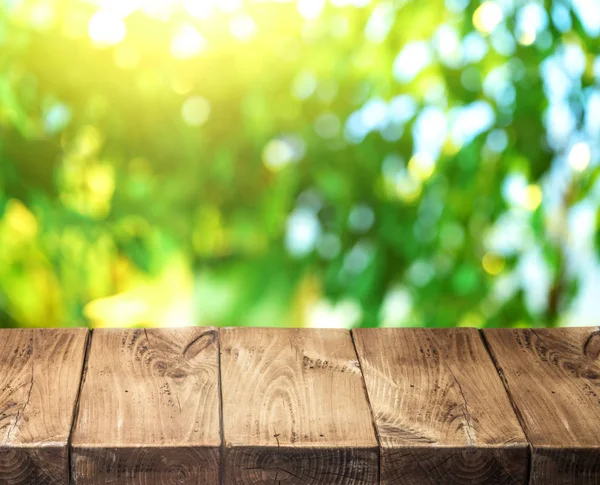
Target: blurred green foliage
pixel 298 163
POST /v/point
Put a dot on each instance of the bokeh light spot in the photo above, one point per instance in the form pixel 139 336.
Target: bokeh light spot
pixel 57 118
pixel 527 37
pixel 492 264
pixel 310 9
pixel 303 231
pixel 329 246
pixel 43 15
pixel 380 22
pixel 188 42
pixel 20 219
pixel 242 27
pixel 106 28
pixel 361 218
pixel 101 180
pixel 195 111
pixel 229 5
pixel 487 17
pixel 160 9
pixel 421 166
pixel 532 197
pixel 304 85
pixel 408 189
pixel 198 9
pixel 327 125
pixel 277 154
pixel 497 141
pixel 88 141
pixel 411 60
pixel 580 156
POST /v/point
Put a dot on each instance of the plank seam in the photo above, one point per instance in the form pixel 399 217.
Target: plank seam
pixel 365 390
pixel 75 419
pixel 221 426
pixel 520 419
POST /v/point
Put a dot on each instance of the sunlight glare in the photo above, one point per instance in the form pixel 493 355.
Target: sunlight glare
pixel 310 9
pixel 160 9
pixel 229 6
pixel 106 28
pixel 121 8
pixel 198 9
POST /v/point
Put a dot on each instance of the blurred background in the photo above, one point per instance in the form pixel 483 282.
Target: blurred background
pixel 325 163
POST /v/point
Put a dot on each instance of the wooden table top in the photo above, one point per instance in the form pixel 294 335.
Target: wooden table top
pixel 253 406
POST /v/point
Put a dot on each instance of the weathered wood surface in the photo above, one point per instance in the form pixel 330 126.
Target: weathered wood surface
pixel 294 409
pixel 553 378
pixel 300 407
pixel 149 409
pixel 440 409
pixel 39 383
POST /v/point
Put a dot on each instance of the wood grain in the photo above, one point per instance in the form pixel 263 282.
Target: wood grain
pixel 553 378
pixel 40 372
pixel 149 409
pixel 294 409
pixel 441 411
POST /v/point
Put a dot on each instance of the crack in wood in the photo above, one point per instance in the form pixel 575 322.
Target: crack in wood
pixel 22 410
pixel 469 425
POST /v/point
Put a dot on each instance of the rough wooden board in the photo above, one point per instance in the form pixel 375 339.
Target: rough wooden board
pixel 149 409
pixel 40 372
pixel 441 411
pixel 553 378
pixel 294 409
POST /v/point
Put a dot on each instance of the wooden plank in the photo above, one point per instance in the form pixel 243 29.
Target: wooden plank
pixel 40 372
pixel 553 378
pixel 294 409
pixel 149 409
pixel 441 411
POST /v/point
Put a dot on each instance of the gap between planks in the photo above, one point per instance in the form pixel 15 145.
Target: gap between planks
pixel 510 398
pixel 88 343
pixel 366 392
